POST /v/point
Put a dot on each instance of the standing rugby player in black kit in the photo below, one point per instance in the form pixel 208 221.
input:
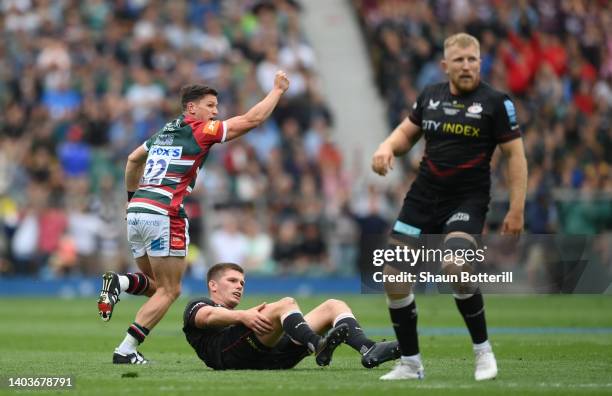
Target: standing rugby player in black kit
pixel 462 121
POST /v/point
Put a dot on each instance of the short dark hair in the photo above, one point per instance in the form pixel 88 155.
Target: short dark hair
pixel 218 269
pixel 195 92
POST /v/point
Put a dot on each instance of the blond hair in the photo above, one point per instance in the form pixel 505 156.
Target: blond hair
pixel 463 40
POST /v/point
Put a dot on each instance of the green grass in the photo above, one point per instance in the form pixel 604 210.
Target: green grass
pixel 65 337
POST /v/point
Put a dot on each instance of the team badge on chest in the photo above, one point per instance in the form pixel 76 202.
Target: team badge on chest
pixel 474 111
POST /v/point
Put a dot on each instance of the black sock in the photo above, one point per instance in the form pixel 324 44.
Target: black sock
pixel 472 310
pixel 139 283
pixel 404 321
pixel 296 327
pixel 356 339
pixel 139 332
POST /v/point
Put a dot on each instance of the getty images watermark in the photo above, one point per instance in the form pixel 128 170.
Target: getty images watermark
pixel 402 256
pixel 530 264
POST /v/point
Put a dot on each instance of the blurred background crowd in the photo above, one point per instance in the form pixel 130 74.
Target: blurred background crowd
pixel 554 57
pixel 83 83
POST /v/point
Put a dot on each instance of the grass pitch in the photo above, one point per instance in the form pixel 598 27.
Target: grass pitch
pixel 544 345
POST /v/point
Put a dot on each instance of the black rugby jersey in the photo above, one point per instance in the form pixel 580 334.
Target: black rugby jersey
pixel 206 342
pixel 461 133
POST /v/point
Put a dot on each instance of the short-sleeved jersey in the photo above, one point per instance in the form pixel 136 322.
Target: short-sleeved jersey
pixel 206 342
pixel 461 133
pixel 175 155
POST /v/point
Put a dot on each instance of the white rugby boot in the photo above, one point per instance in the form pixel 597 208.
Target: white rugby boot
pixel 405 368
pixel 486 365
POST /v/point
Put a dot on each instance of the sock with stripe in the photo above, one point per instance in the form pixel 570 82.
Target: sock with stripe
pixel 135 336
pixel 356 338
pixel 472 310
pixel 296 327
pixel 136 283
pixel 403 314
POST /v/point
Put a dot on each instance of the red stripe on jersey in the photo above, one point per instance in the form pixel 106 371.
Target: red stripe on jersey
pixel 449 172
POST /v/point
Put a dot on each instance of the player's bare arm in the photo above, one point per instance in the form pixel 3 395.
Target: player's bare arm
pixel 517 179
pixel 134 168
pixel 401 140
pixel 239 125
pixel 220 317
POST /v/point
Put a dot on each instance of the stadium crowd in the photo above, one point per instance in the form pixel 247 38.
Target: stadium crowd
pixel 554 57
pixel 83 83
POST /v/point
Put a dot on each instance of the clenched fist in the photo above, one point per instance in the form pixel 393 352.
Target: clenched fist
pixel 281 80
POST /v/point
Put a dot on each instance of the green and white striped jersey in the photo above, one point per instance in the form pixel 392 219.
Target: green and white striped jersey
pixel 175 155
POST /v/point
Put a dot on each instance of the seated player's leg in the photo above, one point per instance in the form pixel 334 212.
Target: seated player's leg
pixel 468 297
pixel 334 313
pixel 287 314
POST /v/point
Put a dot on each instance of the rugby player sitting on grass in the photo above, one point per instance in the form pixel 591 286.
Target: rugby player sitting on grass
pixel 271 336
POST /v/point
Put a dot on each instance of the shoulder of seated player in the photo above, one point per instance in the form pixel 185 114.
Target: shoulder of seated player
pixel 193 307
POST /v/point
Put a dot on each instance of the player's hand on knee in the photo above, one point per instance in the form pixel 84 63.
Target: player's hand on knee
pixel 256 321
pixel 382 161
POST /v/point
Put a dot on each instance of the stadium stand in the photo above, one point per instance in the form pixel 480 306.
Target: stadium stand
pixel 554 57
pixel 83 83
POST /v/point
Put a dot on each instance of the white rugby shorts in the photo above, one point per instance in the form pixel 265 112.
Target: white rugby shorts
pixel 157 235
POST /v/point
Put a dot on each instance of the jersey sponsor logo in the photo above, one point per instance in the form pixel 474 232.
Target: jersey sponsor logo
pixel 172 151
pixel 460 129
pixel 136 222
pixel 451 111
pixel 459 216
pixel 510 110
pixel 430 125
pixel 164 140
pixel 458 105
pixel 451 127
pixel 433 105
pixel 211 129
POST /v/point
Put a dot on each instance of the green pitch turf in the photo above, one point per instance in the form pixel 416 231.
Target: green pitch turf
pixel 544 345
